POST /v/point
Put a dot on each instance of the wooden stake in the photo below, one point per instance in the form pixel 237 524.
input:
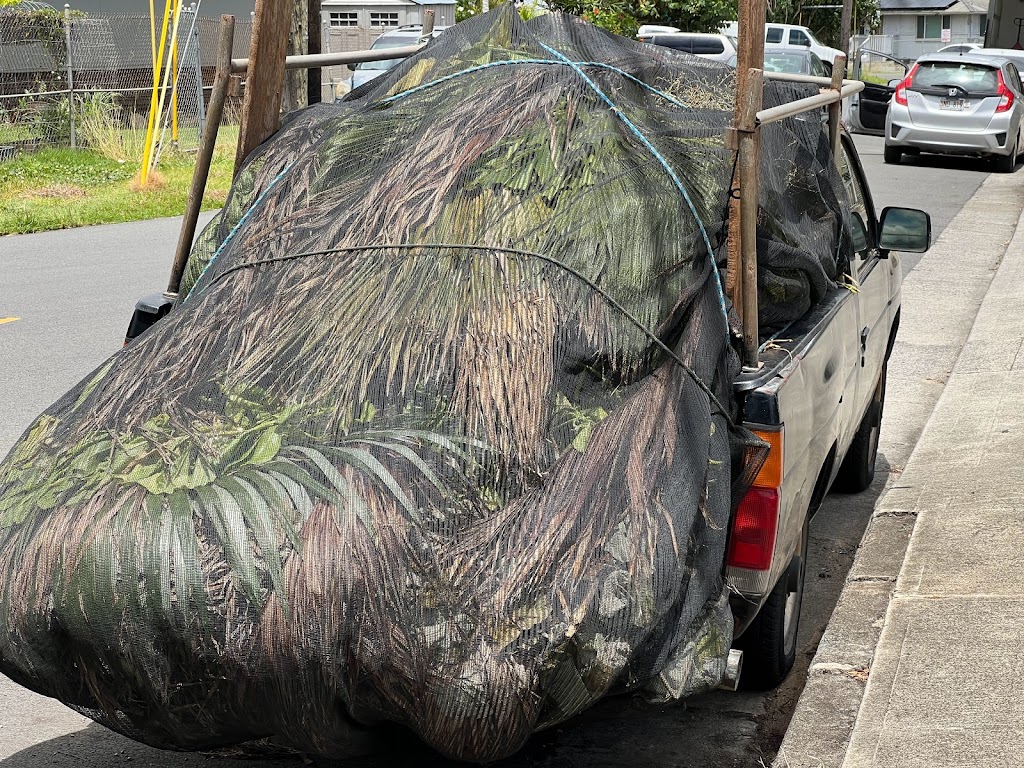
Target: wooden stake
pixel 741 272
pixel 261 107
pixel 204 156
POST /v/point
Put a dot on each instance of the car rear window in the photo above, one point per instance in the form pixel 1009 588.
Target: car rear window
pixel 792 63
pixel 691 44
pixel 974 78
pixel 773 35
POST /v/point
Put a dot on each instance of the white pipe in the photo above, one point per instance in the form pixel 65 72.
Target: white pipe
pixel 799 106
pixel 307 61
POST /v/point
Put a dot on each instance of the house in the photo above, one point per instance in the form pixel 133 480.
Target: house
pixel 912 28
pixel 352 25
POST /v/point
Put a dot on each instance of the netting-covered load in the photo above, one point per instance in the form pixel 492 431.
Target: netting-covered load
pixel 441 430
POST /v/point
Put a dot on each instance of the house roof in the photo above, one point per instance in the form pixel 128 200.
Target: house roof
pixel 936 6
pixel 374 3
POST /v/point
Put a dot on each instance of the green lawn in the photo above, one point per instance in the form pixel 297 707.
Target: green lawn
pixel 60 187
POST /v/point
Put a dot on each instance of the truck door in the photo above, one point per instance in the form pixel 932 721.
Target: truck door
pixel 868 108
pixel 872 275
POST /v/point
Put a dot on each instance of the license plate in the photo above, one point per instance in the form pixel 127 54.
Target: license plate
pixel 955 105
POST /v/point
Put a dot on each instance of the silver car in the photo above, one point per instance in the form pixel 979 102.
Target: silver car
pixel 959 104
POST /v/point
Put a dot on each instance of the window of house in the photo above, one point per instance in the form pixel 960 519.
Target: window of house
pixel 389 19
pixel 930 27
pixel 344 19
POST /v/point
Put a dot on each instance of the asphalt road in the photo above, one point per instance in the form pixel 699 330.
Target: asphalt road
pixel 73 292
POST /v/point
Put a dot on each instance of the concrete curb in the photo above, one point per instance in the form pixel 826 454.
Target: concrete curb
pixel 931 341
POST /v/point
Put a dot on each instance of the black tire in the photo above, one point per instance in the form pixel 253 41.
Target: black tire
pixel 769 644
pixel 892 155
pixel 857 471
pixel 1006 163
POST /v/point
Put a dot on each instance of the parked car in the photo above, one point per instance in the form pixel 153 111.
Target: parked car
pixel 795 62
pixel 865 112
pixel 395 38
pixel 960 104
pixel 711 46
pixel 790 36
pixel 959 48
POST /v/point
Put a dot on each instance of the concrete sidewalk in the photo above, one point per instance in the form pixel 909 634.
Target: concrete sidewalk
pixel 920 664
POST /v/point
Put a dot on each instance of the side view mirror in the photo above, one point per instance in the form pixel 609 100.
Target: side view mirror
pixel 895 82
pixel 859 232
pixel 904 229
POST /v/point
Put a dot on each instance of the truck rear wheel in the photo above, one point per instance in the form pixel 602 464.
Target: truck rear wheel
pixel 857 471
pixel 769 644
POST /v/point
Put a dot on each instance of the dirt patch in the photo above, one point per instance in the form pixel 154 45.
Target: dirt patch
pixel 56 192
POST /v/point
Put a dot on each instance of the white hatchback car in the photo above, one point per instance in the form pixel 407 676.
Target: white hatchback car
pixel 958 104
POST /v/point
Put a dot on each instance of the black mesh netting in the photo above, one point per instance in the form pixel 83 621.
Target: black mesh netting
pixel 441 429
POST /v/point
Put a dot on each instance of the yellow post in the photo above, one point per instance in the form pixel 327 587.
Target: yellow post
pixel 174 88
pixel 147 153
pixel 175 8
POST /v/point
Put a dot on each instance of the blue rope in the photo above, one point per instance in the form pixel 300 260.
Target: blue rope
pixel 664 164
pixel 549 62
pixel 234 230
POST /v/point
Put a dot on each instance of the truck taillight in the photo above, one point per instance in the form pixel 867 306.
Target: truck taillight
pixel 752 540
pixel 1005 94
pixel 901 90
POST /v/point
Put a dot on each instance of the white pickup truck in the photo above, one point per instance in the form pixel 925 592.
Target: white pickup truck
pixel 817 399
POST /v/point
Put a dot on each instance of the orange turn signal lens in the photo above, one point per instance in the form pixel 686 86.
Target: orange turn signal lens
pixel 770 475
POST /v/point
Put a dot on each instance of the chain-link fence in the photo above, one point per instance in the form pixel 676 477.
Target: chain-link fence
pixel 73 79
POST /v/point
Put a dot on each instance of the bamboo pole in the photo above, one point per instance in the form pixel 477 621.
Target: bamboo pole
pixel 835 108
pixel 204 156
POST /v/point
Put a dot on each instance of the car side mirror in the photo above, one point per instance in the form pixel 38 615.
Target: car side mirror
pixel 858 232
pixel 904 229
pixel 895 83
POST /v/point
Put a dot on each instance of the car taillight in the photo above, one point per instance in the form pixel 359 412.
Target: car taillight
pixel 752 538
pixel 752 543
pixel 901 90
pixel 1005 94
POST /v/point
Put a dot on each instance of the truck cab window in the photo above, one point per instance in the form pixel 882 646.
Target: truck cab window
pixel 855 193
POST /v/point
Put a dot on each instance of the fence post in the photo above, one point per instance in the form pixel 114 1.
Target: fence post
pixel 71 78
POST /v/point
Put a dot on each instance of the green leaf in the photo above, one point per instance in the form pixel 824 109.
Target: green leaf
pixel 229 524
pixel 260 520
pixel 267 447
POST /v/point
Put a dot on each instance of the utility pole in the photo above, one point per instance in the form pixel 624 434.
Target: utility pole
pixel 845 30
